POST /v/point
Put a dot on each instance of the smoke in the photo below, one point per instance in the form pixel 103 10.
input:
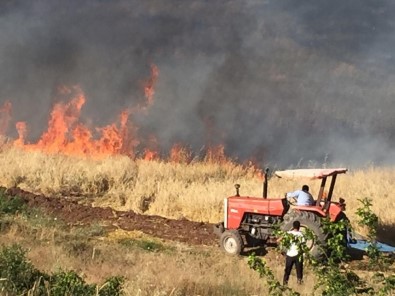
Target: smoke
pixel 283 82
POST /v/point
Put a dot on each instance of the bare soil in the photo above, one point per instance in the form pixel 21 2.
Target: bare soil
pixel 75 213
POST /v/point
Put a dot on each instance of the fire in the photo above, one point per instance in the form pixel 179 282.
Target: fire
pixel 149 86
pixel 150 154
pixel 180 154
pixel 62 122
pixel 67 135
pixel 257 172
pixel 216 154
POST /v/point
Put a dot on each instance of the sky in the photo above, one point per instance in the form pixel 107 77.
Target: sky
pixel 285 83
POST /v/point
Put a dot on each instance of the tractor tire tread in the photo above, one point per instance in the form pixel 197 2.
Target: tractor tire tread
pixel 238 239
pixel 311 221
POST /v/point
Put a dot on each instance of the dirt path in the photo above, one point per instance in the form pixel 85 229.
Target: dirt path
pixel 74 213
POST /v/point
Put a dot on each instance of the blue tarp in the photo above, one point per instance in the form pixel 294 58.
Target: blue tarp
pixel 363 244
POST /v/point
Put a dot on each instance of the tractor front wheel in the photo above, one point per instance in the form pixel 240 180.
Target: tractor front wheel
pixel 231 242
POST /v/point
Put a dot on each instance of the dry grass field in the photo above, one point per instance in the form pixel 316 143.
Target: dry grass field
pixel 166 268
pixel 175 190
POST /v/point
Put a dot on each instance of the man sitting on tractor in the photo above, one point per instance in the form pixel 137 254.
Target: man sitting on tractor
pixel 304 198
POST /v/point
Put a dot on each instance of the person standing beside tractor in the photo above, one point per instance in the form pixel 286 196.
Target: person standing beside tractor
pixel 294 254
pixel 304 198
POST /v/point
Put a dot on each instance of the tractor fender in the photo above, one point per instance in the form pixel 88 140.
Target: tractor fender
pixel 314 209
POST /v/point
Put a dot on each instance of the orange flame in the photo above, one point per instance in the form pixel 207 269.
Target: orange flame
pixel 254 168
pixel 180 154
pixel 149 86
pixel 61 123
pixel 65 134
pixel 216 154
pixel 150 154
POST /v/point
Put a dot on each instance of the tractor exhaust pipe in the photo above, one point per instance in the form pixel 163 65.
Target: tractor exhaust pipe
pixel 265 183
pixel 237 186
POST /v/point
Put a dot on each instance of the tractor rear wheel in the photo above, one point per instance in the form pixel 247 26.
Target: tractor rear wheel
pixel 311 221
pixel 231 242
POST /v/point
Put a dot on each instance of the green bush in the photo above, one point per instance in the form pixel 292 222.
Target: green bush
pixel 368 219
pixel 69 283
pixel 18 274
pixel 19 277
pixel 112 286
pixel 388 285
pixel 11 205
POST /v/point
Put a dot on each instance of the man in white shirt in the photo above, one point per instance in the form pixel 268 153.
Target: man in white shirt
pixel 294 254
pixel 304 198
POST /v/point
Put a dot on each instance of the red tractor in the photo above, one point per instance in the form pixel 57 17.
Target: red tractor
pixel 250 220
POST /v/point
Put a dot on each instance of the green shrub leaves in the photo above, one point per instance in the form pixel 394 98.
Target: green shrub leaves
pixel 19 277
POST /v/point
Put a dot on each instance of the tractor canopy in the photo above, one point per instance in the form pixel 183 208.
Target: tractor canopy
pixel 314 174
pixel 309 173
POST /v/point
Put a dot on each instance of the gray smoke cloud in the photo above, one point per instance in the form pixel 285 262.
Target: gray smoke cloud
pixel 286 83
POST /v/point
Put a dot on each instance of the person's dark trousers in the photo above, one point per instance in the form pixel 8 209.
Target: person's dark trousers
pixel 289 262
